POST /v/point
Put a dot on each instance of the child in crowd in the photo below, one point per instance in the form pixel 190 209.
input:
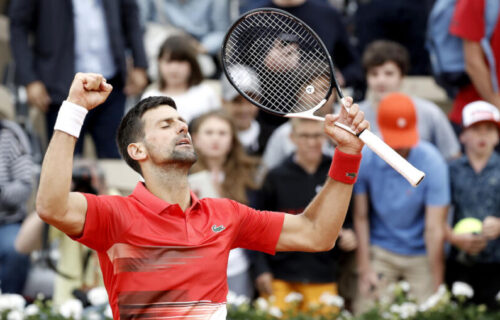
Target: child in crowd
pixel 475 190
pixel 386 63
pixel 224 169
pixel 180 78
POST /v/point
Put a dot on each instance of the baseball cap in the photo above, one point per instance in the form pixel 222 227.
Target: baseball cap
pixel 397 121
pixel 245 77
pixel 480 111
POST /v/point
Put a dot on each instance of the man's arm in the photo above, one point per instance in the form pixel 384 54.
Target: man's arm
pixel 367 277
pixel 479 72
pixel 55 204
pixel 317 228
pixel 435 234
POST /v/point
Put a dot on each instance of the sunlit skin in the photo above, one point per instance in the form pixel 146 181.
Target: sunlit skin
pixel 213 139
pixel 176 73
pixel 384 79
pixel 308 136
pixel 242 112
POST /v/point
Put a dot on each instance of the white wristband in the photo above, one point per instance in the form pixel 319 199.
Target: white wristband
pixel 70 118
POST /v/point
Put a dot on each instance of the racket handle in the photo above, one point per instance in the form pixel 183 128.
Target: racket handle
pixel 400 164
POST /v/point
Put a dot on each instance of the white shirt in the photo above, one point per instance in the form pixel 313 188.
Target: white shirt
pixel 192 103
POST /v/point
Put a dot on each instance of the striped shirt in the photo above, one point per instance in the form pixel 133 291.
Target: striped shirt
pixel 16 172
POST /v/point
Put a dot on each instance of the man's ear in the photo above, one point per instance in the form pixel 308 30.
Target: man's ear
pixel 137 151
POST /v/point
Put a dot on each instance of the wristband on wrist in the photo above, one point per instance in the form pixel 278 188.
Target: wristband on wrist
pixel 345 167
pixel 70 118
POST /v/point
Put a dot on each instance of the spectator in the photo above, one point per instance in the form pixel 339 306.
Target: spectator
pixel 469 24
pixel 327 22
pixel 224 170
pixel 289 188
pixel 252 135
pixel 205 22
pixel 81 36
pixel 16 178
pixel 180 77
pixel 475 186
pixel 77 269
pixel 401 229
pixel 280 144
pixel 403 21
pixel 386 63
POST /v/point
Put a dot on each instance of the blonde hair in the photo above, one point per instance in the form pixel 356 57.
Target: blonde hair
pixel 239 169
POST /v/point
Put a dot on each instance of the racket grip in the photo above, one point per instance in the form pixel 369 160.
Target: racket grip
pixel 400 164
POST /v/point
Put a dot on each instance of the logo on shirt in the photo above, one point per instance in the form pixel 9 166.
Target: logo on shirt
pixel 216 228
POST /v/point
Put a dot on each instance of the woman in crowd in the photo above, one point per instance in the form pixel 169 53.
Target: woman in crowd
pixel 180 77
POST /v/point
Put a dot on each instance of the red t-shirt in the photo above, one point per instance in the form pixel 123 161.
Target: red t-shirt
pixel 158 261
pixel 469 23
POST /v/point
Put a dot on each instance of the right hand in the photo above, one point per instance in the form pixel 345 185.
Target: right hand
pixel 470 243
pixel 89 90
pixel 368 282
pixel 38 96
pixel 264 284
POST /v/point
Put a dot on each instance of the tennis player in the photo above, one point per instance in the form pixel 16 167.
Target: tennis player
pixel 163 252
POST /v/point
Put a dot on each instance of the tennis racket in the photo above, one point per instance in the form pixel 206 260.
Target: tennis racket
pixel 295 74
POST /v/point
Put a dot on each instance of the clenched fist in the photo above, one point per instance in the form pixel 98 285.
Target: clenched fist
pixel 89 90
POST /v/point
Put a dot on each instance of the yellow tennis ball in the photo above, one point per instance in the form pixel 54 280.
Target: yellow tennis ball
pixel 468 225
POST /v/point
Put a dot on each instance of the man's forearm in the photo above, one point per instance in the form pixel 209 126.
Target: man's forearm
pixel 479 73
pixel 435 251
pixel 327 212
pixel 55 178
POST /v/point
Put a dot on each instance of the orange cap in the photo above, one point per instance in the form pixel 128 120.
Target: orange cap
pixel 397 121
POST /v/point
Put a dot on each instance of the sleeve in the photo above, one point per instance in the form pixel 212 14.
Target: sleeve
pixel 258 230
pixel 133 32
pixel 468 20
pixel 22 17
pixel 105 222
pixel 444 136
pixel 21 169
pixel 437 191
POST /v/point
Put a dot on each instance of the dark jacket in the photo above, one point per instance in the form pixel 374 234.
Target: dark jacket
pixel 288 188
pixel 51 57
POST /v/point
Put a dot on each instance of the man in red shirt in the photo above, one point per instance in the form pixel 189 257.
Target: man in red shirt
pixel 162 251
pixel 469 24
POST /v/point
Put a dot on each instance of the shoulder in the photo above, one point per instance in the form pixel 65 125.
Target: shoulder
pixel 427 155
pixel 152 90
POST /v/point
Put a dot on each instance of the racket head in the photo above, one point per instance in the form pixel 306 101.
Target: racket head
pixel 289 69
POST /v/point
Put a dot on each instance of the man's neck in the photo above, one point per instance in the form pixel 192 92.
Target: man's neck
pixel 478 160
pixel 170 185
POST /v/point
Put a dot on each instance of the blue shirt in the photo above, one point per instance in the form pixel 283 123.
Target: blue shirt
pixel 92 48
pixel 477 195
pixel 397 210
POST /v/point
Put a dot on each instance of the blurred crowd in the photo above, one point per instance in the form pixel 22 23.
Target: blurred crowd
pixel 445 230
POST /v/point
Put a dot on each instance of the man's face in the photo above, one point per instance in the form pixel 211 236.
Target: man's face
pixel 166 137
pixel 242 111
pixel 309 137
pixel 284 56
pixel 384 79
pixel 480 138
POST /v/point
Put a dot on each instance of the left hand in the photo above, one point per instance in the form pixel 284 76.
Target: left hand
pixel 137 80
pixel 347 240
pixel 491 227
pixel 355 119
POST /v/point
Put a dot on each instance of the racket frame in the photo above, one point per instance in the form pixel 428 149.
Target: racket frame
pixel 377 145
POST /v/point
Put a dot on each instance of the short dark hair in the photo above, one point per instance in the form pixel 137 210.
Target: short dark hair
pixel 381 51
pixel 180 48
pixel 131 127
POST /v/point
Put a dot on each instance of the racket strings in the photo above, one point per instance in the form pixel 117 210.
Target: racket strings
pixel 292 67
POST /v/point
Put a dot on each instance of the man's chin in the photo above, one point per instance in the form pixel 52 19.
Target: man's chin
pixel 187 157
